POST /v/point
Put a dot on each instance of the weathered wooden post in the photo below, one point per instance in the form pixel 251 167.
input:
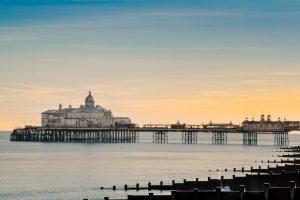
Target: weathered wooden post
pixel 209 183
pixel 195 194
pixel 222 181
pixel 242 191
pixel 266 191
pixel 234 184
pixel 150 196
pixel 292 190
pixel 218 193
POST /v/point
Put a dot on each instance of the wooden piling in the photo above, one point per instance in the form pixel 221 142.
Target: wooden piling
pixel 292 190
pixel 266 191
pixel 195 195
pixel 218 193
pixel 242 191
pixel 150 196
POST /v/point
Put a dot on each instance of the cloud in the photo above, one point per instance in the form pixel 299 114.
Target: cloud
pixel 213 93
pixel 23 96
pixel 191 13
pixel 256 81
pixel 112 89
pixel 9 37
pixel 32 89
pixel 285 73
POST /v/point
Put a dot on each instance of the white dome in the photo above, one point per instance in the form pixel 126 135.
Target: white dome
pixel 89 100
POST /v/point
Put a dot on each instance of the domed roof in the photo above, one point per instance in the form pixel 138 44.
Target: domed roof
pixel 89 97
pixel 89 100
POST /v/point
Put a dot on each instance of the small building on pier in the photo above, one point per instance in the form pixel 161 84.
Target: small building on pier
pixel 87 115
pixel 178 125
pixel 265 124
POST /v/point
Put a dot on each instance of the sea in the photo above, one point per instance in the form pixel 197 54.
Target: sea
pixel 33 170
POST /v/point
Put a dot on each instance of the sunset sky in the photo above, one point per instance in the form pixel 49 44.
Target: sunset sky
pixel 155 61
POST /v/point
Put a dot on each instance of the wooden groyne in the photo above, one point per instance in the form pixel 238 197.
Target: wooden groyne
pixel 276 177
pixel 271 183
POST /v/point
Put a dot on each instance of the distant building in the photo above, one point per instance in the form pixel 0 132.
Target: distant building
pixel 266 124
pixel 87 115
pixel 178 125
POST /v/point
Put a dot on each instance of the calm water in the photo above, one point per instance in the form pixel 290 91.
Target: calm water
pixel 76 171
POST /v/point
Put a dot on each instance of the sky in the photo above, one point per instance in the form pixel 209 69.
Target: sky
pixel 155 61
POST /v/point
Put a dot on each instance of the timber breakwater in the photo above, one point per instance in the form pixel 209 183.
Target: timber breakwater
pixel 270 183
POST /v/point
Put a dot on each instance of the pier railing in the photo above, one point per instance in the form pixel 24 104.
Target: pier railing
pixel 160 133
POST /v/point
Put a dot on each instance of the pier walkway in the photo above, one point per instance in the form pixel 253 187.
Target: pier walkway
pixel 160 133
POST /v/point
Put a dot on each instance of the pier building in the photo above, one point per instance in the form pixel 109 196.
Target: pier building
pixel 87 115
pixel 279 128
pixel 265 124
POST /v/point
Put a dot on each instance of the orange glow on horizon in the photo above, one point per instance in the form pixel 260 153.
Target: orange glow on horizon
pixel 192 109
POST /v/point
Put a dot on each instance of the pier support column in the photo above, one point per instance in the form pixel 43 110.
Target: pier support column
pixel 219 137
pixel 160 137
pixel 189 137
pixel 281 139
pixel 250 138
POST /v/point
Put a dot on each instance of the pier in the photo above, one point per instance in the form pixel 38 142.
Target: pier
pixel 190 137
pixel 79 135
pixel 161 132
pixel 160 136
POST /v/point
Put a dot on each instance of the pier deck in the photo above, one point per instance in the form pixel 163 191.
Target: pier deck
pixel 160 133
